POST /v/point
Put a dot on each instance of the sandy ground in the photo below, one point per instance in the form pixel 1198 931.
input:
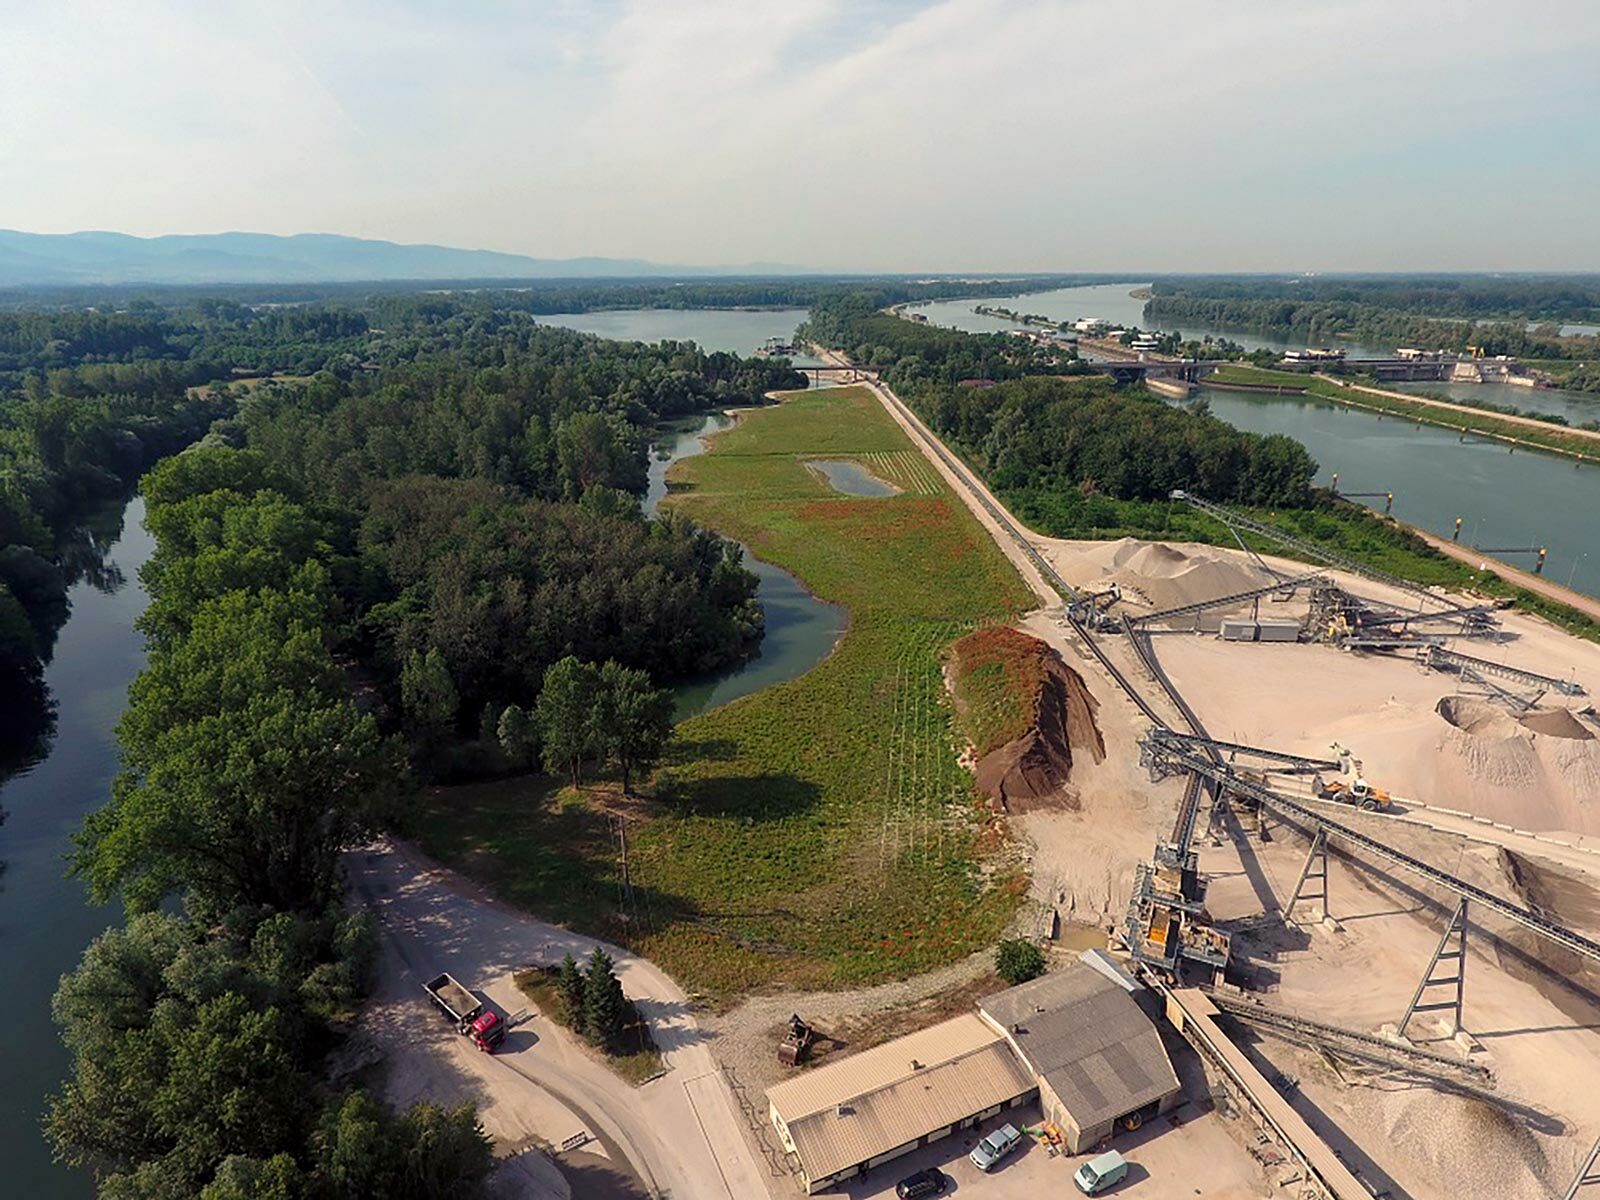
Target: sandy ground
pixel 1303 697
pixel 679 1135
pixel 1536 1030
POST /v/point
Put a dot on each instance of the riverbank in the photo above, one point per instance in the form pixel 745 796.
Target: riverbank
pixel 1515 431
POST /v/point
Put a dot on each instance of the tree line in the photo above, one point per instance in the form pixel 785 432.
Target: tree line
pixel 199 1036
pixel 1035 422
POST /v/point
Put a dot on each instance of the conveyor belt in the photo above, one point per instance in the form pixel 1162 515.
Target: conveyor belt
pixel 1285 805
pixel 1234 520
pixel 1484 666
pixel 1369 1046
pixel 1200 606
pixel 1211 766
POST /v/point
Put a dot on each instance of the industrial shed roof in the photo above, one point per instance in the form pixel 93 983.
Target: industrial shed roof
pixel 1087 1038
pixel 872 1102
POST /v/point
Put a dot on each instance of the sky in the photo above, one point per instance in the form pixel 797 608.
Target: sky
pixel 866 135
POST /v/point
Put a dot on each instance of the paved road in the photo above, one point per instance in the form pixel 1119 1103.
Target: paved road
pixel 679 1136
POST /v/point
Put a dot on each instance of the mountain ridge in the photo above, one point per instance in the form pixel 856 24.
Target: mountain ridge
pixel 107 257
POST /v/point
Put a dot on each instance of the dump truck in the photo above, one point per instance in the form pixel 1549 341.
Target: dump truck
pixel 471 1017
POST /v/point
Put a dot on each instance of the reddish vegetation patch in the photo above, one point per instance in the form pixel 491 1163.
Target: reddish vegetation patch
pixel 1026 712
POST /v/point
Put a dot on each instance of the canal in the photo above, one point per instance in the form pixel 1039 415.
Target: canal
pixel 45 918
pixel 1522 499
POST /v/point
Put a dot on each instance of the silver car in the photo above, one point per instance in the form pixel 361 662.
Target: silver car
pixel 996 1146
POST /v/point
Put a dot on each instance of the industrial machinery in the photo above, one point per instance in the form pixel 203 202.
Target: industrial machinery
pixel 1356 790
pixel 796 1045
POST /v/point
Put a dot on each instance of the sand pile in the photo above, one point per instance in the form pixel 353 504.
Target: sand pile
pixel 1154 576
pixel 1039 716
pixel 1557 723
pixel 1538 770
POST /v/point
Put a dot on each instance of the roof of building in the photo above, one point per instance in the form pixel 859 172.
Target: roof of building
pixel 897 1092
pixel 1087 1038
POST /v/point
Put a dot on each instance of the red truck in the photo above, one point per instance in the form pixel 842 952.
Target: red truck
pixel 471 1016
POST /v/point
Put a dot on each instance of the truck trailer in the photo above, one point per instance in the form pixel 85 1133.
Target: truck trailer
pixel 471 1017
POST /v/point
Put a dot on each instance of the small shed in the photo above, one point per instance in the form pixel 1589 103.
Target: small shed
pixel 1097 1057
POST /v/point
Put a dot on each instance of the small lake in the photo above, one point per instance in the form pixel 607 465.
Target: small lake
pixel 851 478
pixel 800 629
pixel 732 330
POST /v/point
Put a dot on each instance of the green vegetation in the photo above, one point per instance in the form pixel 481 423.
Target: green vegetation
pixel 996 674
pixel 1258 377
pixel 1017 960
pixel 1438 314
pixel 198 1041
pixel 563 993
pixel 818 832
pixel 608 713
pixel 911 351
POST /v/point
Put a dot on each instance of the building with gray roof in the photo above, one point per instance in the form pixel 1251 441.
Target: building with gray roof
pixel 1097 1056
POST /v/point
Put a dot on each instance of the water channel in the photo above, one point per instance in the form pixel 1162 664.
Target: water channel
pixel 1520 500
pixel 45 918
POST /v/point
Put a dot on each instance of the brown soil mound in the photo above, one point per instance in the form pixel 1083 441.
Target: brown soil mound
pixel 1556 722
pixel 1031 770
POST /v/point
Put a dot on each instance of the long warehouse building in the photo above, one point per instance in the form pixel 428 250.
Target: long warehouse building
pixel 842 1119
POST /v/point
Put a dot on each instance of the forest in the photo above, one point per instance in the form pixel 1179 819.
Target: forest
pixel 1035 421
pixel 416 551
pixel 1573 298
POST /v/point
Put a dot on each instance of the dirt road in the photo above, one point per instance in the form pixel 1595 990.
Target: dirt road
pixel 679 1136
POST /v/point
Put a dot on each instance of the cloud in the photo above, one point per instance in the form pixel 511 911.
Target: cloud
pixel 849 134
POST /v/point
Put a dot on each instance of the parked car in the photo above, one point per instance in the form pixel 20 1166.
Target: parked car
pixel 928 1182
pixel 1101 1174
pixel 987 1153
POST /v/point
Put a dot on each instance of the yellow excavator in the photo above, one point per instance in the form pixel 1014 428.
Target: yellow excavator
pixel 1354 789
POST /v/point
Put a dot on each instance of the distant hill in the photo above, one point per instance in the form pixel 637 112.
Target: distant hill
pixel 92 258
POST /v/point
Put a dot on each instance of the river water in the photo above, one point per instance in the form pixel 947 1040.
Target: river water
pixel 734 330
pixel 45 918
pixel 800 629
pixel 1505 499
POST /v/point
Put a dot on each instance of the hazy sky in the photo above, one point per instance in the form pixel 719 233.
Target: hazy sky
pixel 838 134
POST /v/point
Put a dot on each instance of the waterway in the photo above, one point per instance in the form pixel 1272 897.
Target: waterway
pixel 1520 500
pixel 45 918
pixel 733 330
pixel 1577 407
pixel 800 629
pixel 1113 302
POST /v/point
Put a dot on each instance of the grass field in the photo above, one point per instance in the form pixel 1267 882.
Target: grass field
pixel 820 832
pixel 1246 376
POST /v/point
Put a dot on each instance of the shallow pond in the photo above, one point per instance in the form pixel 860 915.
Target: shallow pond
pixel 850 478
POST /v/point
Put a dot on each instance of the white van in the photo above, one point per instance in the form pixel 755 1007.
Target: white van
pixel 1101 1174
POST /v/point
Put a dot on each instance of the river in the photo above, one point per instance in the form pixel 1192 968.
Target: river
pixel 45 918
pixel 1505 499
